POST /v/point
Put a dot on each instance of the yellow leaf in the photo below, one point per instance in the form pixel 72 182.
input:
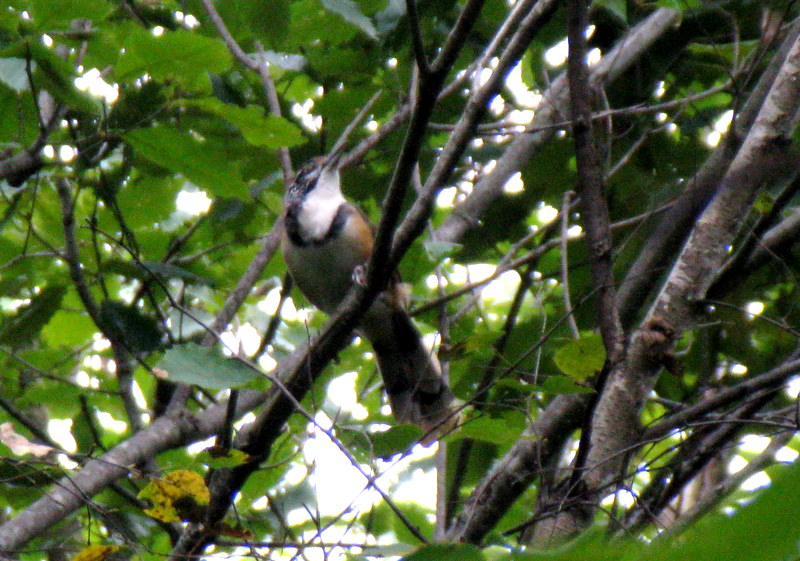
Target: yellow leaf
pixel 180 496
pixel 96 552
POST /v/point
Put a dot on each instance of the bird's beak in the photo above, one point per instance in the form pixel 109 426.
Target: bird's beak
pixel 334 157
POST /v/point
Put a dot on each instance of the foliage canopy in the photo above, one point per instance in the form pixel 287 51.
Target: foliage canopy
pixel 620 349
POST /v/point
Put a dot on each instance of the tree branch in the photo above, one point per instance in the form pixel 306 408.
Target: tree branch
pixel 590 182
pixel 614 427
pixel 464 130
pixel 625 53
pixel 672 229
pixel 71 493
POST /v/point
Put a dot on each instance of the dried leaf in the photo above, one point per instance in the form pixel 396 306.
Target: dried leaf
pixel 180 496
pixel 20 445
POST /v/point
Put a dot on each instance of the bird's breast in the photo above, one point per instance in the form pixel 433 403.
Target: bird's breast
pixel 323 271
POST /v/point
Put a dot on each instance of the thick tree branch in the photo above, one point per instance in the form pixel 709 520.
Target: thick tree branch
pixel 554 107
pixel 616 420
pixel 465 128
pixel 721 398
pixel 590 182
pixel 71 493
pixel 416 38
pixel 522 464
pixel 672 229
pixel 300 370
pixel 514 473
pixel 430 87
pixel 729 485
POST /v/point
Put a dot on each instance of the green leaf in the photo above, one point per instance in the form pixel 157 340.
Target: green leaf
pixel 24 473
pixel 438 250
pixel 563 384
pixel 268 18
pixel 181 55
pixel 138 332
pixel 49 13
pixel 618 7
pixel 147 269
pixel 183 154
pixel 54 74
pixel 217 458
pixel 192 364
pixel 69 328
pixel 350 12
pixel 25 325
pixel 13 73
pixel 286 61
pixel 257 128
pixel 447 552
pixel 487 429
pixel 765 530
pixel 581 358
pixel 679 5
pixel 397 439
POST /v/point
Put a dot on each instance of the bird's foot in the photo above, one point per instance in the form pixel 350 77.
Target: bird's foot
pixel 360 275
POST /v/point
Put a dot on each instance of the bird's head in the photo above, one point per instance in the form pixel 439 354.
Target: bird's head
pixel 320 173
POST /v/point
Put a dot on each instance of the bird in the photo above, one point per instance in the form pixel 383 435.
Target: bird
pixel 327 242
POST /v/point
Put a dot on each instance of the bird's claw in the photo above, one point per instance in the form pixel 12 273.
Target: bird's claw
pixel 360 275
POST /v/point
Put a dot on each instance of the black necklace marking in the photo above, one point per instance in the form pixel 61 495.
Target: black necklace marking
pixel 295 231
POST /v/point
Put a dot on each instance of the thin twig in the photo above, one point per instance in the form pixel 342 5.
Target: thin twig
pixel 275 108
pixel 71 255
pixel 226 36
pixel 573 326
pixel 528 258
pixel 416 38
pixel 351 126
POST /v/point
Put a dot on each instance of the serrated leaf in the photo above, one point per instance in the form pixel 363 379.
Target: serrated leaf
pixel 350 12
pixel 139 333
pixel 192 364
pixel 14 74
pixel 256 127
pixel 181 55
pixel 26 323
pixel 181 495
pixel 183 154
pixel 581 358
pixel 96 552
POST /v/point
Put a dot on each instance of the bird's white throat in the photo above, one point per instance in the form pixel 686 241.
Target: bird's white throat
pixel 320 206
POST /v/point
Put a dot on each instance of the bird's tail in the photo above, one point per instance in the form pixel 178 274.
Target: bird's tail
pixel 411 374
